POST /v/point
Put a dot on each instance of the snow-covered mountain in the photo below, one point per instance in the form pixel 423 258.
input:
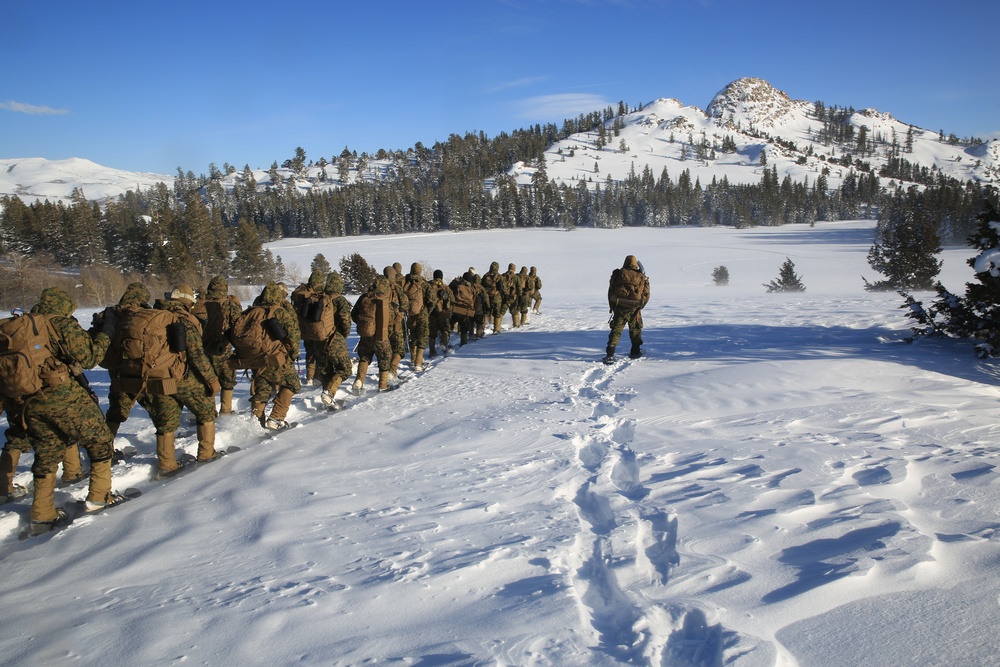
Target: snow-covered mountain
pixel 55 180
pixel 747 118
pixel 752 116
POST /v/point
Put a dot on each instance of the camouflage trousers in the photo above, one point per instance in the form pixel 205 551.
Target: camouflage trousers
pixel 439 329
pixel 119 406
pixel 621 317
pixel 397 339
pixel 369 349
pixel 333 359
pixel 53 420
pixel 419 329
pixel 224 369
pixel 267 382
pixel 165 410
pixel 495 305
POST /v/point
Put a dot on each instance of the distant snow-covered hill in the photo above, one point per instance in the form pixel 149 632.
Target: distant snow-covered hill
pixel 746 120
pixel 55 180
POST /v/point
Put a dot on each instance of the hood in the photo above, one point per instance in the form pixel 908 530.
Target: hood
pixel 136 294
pixel 334 284
pixel 218 289
pixel 54 301
pixel 272 294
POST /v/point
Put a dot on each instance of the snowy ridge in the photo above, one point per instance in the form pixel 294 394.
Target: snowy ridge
pixel 660 135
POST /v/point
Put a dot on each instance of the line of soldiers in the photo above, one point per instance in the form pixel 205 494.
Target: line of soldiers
pixel 204 344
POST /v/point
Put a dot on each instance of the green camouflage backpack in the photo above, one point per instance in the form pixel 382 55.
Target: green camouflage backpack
pixel 27 360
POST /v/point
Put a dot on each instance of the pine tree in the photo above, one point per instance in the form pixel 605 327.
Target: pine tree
pixel 319 262
pixel 787 280
pixel 720 275
pixel 250 264
pixel 904 249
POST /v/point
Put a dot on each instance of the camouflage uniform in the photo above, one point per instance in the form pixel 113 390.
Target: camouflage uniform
pixel 622 314
pixel 482 306
pixel 492 284
pixel 418 324
pixel 523 296
pixel 397 327
pixel 510 289
pixel 196 391
pixel 283 382
pixel 217 312
pixel 464 321
pixel 120 403
pixel 302 293
pixel 370 347
pixel 63 414
pixel 535 285
pixel 333 361
pixel 439 317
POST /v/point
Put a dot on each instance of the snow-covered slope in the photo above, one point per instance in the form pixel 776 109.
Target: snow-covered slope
pixel 664 134
pixel 756 117
pixel 55 180
pixel 781 481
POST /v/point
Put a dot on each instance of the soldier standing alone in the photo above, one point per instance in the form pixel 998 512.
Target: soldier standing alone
pixel 628 293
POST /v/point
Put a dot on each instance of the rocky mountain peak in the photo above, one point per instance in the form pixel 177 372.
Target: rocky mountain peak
pixel 749 100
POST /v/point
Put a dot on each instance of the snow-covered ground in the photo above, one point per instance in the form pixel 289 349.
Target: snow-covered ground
pixel 781 481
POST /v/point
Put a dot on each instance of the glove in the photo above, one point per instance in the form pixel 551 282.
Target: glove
pixel 213 388
pixel 109 323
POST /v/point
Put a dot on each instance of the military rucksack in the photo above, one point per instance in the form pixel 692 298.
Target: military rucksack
pixel 149 352
pixel 257 339
pixel 465 300
pixel 627 286
pixel 27 361
pixel 371 315
pixel 414 290
pixel 215 333
pixel 317 316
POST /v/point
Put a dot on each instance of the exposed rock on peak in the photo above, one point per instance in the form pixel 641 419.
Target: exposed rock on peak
pixel 752 100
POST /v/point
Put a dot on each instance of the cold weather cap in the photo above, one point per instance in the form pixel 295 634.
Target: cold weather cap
pixel 438 274
pixel 631 263
pixel 416 269
pixel 469 276
pixel 398 267
pixel 494 266
pixel 184 293
pixel 389 272
pixel 512 267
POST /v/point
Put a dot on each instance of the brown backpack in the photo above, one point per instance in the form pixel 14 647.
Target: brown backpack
pixel 317 316
pixel 255 346
pixel 149 352
pixel 465 300
pixel 627 286
pixel 215 334
pixel 414 290
pixel 27 362
pixel 372 316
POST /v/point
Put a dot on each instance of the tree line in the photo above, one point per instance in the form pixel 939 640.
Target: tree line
pixel 199 227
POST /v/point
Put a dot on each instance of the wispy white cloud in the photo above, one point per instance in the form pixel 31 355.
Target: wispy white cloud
pixel 517 83
pixel 32 109
pixel 560 106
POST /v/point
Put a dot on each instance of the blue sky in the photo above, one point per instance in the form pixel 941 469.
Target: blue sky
pixel 153 86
